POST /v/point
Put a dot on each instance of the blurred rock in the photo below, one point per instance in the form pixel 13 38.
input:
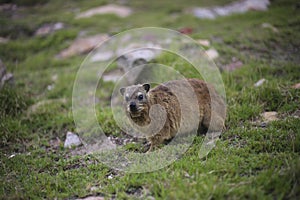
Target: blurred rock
pixel 72 140
pixel 82 45
pixel 235 7
pixel 121 11
pixel 205 43
pixel 54 77
pixel 296 86
pixel 2 70
pixel 49 28
pixel 113 76
pixel 235 64
pixel 135 58
pixel 3 40
pixel 212 53
pixel 8 7
pixel 269 116
pixel 260 82
pixel 204 13
pixel 269 26
pixel 101 56
pixel 50 87
pixel 110 176
pixel 139 54
pixel 8 78
pixel 5 78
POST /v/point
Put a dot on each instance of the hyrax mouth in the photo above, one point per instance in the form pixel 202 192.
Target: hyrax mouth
pixel 135 112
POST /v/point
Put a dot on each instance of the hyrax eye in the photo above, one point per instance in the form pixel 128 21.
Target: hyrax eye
pixel 140 97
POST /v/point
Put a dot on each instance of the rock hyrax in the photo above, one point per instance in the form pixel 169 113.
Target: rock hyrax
pixel 138 100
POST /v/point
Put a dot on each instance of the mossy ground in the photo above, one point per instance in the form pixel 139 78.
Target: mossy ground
pixel 249 161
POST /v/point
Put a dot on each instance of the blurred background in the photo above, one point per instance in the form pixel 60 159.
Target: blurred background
pixel 254 43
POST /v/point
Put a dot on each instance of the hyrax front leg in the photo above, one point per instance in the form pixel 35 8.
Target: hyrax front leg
pixel 155 141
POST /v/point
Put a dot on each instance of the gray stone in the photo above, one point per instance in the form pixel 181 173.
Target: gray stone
pixel 113 76
pixel 235 7
pixel 82 45
pixel 269 26
pixel 72 140
pixel 204 42
pixel 235 64
pixel 8 7
pixel 138 57
pixel 5 78
pixel 120 11
pixel 296 86
pixel 260 82
pixel 212 53
pixel 270 116
pixel 101 56
pixel 49 28
pixel 3 40
pixel 2 70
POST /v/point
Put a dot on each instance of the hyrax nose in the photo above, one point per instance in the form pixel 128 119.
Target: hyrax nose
pixel 132 106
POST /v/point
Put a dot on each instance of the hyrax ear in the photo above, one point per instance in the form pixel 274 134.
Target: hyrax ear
pixel 146 86
pixel 122 91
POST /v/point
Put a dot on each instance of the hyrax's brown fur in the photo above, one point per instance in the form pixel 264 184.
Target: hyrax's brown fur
pixel 138 100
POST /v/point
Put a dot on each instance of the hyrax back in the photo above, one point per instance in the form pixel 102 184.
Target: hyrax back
pixel 138 100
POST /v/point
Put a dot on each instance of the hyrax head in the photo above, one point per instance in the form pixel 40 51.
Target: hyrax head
pixel 135 99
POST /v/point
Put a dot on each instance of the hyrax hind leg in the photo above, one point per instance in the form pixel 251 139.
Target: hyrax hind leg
pixel 214 122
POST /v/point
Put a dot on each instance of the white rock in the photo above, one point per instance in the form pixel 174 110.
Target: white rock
pixel 82 45
pixel 4 76
pixel 50 87
pixel 54 77
pixel 137 54
pixel 296 86
pixel 121 11
pixel 204 13
pixel 49 28
pixel 101 56
pixel 260 82
pixel 9 78
pixel 110 176
pixel 3 40
pixel 270 26
pixel 270 116
pixel 212 53
pixel 12 155
pixel 236 64
pixel 113 76
pixel 234 7
pixel 72 140
pixel 205 43
pixel 58 26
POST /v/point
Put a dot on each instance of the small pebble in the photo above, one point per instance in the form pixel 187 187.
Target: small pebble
pixel 72 140
pixel 259 83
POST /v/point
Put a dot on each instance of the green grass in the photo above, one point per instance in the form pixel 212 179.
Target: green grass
pixel 249 161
